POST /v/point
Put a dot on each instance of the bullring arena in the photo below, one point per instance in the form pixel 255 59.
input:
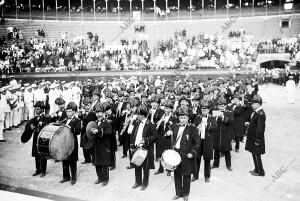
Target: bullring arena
pixel 129 50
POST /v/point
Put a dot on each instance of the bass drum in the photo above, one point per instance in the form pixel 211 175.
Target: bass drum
pixel 55 141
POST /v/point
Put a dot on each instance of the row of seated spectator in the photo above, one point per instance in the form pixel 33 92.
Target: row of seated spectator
pixel 238 33
pixel 279 45
pixel 88 52
pixel 205 50
pixel 39 55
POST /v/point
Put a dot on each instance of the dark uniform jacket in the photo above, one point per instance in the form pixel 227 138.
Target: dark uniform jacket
pixel 190 143
pixel 224 133
pixel 256 133
pixel 87 91
pixel 75 127
pixel 165 142
pixel 157 115
pixel 39 122
pixel 149 135
pixel 58 118
pixel 239 120
pixel 195 113
pixel 85 119
pixel 113 139
pixel 211 127
pixel 102 144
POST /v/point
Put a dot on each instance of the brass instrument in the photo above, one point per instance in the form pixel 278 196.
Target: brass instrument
pixel 126 124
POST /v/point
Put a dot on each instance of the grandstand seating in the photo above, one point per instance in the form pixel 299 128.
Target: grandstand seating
pixel 259 27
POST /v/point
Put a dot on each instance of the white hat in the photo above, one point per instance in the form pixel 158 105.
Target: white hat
pixel 34 85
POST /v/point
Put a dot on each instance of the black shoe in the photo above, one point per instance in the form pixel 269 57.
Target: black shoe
pixel 98 181
pixel 104 183
pixel 237 150
pixel 2 140
pixel 229 168
pixel 176 197
pixel 194 179
pixel 251 171
pixel 168 173
pixel 42 174
pixel 206 180
pixel 85 162
pixel 214 166
pixel 8 129
pixel 158 172
pixel 124 156
pixel 64 180
pixel 257 174
pixel 135 186
pixel 36 173
pixel 73 181
pixel 143 187
pixel 112 168
pixel 129 167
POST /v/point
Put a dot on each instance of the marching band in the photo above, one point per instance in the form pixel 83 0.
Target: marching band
pixel 187 118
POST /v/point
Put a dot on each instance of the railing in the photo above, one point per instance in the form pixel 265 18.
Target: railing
pixel 149 16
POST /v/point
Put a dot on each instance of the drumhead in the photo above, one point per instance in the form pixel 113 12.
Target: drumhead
pixel 62 143
pixel 171 157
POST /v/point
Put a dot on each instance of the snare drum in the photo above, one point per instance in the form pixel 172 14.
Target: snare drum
pixel 139 156
pixel 170 159
pixel 55 141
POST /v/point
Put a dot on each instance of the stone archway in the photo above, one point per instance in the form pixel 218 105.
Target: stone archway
pixel 261 58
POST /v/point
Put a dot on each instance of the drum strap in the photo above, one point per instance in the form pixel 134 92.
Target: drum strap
pixel 178 138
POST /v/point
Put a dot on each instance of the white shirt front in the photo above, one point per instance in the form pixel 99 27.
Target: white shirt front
pixel 139 135
pixel 203 126
pixel 152 115
pixel 179 136
pixel 69 120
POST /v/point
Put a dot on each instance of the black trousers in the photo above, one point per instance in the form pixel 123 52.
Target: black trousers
pixel 207 167
pixel 182 183
pixel 217 158
pixel 139 170
pixel 258 164
pixel 40 164
pixel 102 172
pixel 126 143
pixel 113 159
pixel 87 154
pixel 69 166
pixel 237 142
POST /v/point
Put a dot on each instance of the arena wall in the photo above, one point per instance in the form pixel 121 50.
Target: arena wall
pixel 110 31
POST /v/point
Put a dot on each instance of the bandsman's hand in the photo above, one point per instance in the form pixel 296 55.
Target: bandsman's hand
pixel 189 155
pixel 32 126
pixel 169 133
pixel 247 124
pixel 94 130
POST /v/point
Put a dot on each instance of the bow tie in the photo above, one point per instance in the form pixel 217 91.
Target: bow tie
pixel 182 125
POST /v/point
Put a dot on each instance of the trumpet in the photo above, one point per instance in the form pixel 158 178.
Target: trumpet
pixel 160 121
pixel 126 124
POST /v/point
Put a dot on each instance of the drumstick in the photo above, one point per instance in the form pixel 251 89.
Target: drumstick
pixel 172 181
